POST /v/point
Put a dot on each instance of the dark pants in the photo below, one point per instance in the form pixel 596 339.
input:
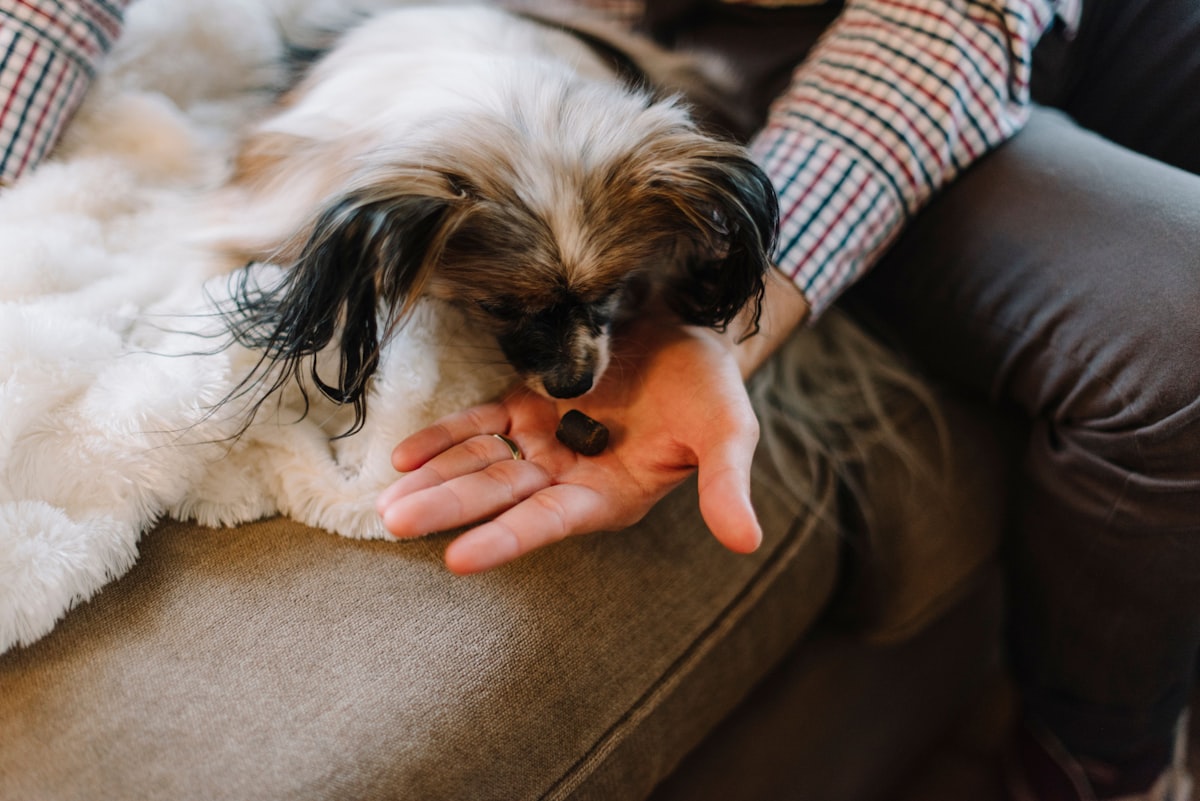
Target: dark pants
pixel 1060 277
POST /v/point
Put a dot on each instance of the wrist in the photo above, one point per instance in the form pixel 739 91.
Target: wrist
pixel 784 309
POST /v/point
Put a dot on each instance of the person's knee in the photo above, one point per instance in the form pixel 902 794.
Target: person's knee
pixel 1133 457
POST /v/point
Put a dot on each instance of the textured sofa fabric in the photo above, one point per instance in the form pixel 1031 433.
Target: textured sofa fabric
pixel 848 718
pixel 279 662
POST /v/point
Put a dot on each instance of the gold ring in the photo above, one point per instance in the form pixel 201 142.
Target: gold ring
pixel 513 447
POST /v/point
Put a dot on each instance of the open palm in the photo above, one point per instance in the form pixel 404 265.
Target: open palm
pixel 673 401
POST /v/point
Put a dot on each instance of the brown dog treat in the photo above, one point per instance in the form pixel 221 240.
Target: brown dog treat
pixel 581 433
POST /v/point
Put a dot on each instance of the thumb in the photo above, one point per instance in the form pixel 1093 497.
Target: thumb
pixel 723 480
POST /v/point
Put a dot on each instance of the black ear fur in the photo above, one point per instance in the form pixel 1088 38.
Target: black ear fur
pixel 734 209
pixel 363 255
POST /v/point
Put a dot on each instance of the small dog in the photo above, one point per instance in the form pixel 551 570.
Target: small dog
pixel 544 176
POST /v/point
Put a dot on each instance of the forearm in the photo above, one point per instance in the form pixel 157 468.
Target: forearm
pixel 48 53
pixel 896 100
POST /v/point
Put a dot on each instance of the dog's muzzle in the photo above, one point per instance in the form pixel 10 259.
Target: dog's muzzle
pixel 567 387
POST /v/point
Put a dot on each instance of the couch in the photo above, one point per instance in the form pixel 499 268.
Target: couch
pixel 276 661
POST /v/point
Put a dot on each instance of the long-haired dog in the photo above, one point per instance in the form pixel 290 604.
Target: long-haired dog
pixel 544 177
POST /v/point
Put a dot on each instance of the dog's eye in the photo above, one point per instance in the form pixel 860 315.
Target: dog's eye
pixel 501 310
pixel 603 310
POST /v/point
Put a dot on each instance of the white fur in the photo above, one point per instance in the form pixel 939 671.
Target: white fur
pixel 105 391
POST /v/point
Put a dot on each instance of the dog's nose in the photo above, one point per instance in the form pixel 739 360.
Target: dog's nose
pixel 569 387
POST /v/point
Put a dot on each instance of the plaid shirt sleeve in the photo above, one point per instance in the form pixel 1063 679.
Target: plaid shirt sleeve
pixel 897 98
pixel 48 53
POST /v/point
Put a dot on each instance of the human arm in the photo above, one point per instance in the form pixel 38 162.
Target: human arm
pixel 893 103
pixel 49 50
pixel 675 403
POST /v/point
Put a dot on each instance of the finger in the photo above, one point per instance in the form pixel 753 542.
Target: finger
pixel 724 486
pixel 464 500
pixel 471 456
pixel 421 446
pixel 547 516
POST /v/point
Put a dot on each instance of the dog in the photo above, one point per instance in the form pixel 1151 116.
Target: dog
pixel 549 178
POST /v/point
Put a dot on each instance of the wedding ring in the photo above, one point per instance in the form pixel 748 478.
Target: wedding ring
pixel 513 447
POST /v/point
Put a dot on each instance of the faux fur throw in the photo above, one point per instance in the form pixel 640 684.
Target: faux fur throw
pixel 111 359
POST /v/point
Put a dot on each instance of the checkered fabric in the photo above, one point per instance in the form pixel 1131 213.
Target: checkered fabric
pixel 892 105
pixel 895 101
pixel 48 53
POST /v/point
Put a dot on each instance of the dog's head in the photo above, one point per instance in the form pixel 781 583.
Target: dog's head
pixel 546 219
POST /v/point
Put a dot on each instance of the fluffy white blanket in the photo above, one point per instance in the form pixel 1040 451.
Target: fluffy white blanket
pixel 108 369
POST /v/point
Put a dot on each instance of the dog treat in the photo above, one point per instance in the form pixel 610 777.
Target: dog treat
pixel 581 433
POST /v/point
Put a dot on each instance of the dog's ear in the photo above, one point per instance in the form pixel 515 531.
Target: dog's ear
pixel 363 258
pixel 732 214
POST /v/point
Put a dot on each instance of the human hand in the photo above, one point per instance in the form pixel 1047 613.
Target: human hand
pixel 674 401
